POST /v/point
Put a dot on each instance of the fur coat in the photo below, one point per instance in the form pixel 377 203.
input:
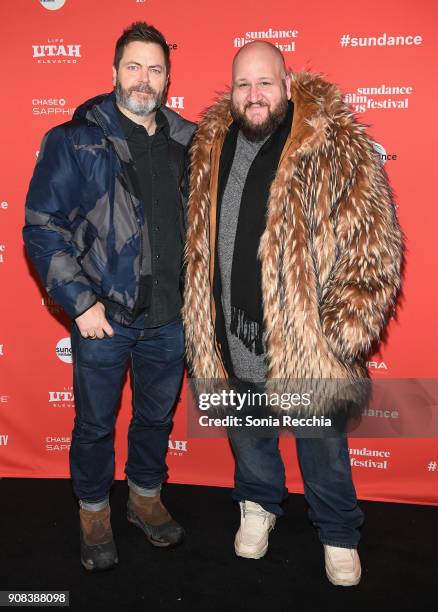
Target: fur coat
pixel 331 252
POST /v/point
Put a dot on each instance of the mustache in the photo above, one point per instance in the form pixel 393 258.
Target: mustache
pixel 258 103
pixel 142 89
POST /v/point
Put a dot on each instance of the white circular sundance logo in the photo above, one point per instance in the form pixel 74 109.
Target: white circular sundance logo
pixel 380 149
pixel 63 350
pixel 52 5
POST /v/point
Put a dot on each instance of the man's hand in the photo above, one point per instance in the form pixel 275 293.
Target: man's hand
pixel 93 323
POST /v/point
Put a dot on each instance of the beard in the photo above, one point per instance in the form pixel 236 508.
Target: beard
pixel 142 107
pixel 256 132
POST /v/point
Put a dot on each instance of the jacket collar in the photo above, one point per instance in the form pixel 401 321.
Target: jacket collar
pixel 103 112
pixel 315 103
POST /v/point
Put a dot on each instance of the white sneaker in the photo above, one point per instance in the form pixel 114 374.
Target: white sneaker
pixel 251 540
pixel 342 565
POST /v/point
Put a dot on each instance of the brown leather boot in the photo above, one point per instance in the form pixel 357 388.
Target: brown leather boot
pixel 98 550
pixel 151 516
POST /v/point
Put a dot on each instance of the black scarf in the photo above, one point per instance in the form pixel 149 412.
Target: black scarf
pixel 246 291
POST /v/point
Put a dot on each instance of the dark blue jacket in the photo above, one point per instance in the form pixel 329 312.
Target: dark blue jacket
pixel 85 230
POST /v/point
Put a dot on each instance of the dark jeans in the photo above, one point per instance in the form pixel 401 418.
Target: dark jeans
pixel 157 362
pixel 328 484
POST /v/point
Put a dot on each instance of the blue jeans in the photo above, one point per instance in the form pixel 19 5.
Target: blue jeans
pixel 157 362
pixel 328 485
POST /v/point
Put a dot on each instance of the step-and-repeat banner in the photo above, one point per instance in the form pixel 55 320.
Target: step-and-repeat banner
pixel 57 53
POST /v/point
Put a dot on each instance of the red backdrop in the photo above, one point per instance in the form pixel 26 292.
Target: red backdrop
pixel 57 53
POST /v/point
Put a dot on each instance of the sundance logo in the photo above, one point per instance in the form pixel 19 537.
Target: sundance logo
pixel 383 155
pixel 4 440
pixel 52 5
pixel 381 97
pixel 369 458
pixel 285 40
pixel 63 350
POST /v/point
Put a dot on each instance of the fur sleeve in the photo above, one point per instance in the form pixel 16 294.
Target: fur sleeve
pixel 361 291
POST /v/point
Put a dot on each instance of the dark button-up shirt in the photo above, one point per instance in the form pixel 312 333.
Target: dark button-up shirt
pixel 158 189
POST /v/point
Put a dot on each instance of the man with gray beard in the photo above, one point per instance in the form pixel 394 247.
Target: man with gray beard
pixel 105 228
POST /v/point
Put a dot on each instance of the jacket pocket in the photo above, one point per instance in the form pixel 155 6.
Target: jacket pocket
pixel 93 261
pixel 87 240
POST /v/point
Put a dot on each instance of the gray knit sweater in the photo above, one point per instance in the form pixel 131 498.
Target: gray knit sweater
pixel 247 365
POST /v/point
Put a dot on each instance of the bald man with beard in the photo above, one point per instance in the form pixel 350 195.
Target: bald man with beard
pixel 293 267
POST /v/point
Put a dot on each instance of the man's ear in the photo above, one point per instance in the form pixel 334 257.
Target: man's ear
pixel 114 76
pixel 287 82
pixel 166 86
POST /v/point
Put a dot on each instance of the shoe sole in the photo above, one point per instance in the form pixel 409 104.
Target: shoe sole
pixel 250 556
pixel 259 555
pixel 110 561
pixel 149 537
pixel 340 582
pixel 92 568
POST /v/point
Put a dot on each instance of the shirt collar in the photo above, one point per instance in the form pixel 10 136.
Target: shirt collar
pixel 129 127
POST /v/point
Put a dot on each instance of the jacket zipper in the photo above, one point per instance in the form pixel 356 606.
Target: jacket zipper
pixel 103 127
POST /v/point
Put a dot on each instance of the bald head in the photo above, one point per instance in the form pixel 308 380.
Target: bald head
pixel 260 90
pixel 260 52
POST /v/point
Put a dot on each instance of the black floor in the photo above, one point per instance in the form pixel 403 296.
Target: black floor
pixel 39 549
